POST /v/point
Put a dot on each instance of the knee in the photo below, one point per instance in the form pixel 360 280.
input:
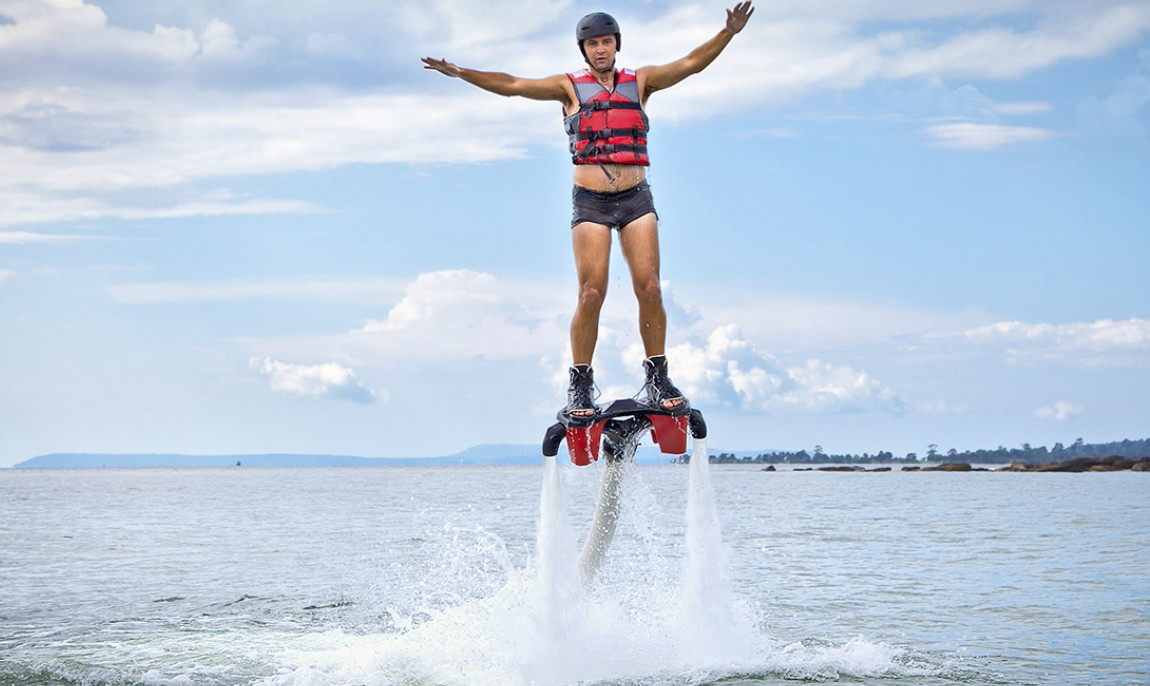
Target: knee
pixel 649 290
pixel 591 295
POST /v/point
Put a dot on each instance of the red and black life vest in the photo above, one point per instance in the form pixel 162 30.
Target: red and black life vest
pixel 610 126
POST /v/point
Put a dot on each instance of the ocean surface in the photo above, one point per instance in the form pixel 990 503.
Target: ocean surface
pixel 467 575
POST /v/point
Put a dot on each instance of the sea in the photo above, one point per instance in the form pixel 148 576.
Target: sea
pixel 717 574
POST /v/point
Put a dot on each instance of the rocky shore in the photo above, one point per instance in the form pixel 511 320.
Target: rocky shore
pixel 1085 464
pixel 1078 464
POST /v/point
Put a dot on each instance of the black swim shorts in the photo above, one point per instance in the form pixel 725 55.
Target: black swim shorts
pixel 613 210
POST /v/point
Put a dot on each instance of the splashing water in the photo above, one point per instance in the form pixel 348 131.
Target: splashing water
pixel 709 629
pixel 560 599
pixel 678 629
pixel 633 625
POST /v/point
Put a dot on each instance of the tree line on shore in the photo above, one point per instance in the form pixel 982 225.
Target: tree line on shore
pixel 1001 455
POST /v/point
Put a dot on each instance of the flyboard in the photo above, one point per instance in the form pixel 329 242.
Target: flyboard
pixel 621 424
pixel 616 431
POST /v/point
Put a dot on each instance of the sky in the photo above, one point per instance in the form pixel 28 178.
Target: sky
pixel 247 227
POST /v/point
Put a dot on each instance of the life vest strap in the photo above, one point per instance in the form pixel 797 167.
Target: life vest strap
pixel 592 151
pixel 635 132
pixel 597 105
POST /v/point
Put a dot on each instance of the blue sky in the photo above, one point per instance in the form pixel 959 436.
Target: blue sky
pixel 235 227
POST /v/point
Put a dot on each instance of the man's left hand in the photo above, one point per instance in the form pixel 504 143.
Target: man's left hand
pixel 737 18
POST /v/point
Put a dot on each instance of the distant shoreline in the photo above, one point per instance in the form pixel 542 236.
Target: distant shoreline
pixel 481 456
pixel 506 454
pixel 1113 463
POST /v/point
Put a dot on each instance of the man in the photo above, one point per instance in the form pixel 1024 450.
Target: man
pixel 607 128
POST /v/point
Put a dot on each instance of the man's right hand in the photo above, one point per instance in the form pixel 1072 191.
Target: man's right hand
pixel 441 66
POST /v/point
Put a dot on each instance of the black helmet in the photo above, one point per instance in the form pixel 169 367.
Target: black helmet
pixel 597 24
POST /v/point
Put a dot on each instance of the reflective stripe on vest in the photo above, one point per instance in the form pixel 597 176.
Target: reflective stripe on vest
pixel 610 126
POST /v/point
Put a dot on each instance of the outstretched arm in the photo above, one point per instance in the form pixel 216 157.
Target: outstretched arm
pixel 549 88
pixel 667 75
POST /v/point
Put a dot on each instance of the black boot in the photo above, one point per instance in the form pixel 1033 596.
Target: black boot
pixel 661 393
pixel 580 394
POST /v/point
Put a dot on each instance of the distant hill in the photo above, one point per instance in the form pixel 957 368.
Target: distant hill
pixel 488 454
pixel 479 455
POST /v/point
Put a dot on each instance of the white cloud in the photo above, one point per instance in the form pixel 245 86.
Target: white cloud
pixel 53 207
pixel 67 36
pixel 449 296
pixel 343 290
pixel 1021 108
pixel 470 25
pixel 50 126
pixel 823 387
pixel 968 136
pixel 28 237
pixel 787 322
pixel 220 43
pixel 164 148
pixel 6 275
pixel 940 407
pixel 72 41
pixel 329 380
pixel 1059 412
pixel 1101 343
pixel 99 114
pixel 464 314
pixel 1122 113
pixel 335 45
pixel 1001 53
pixel 969 101
pixel 727 369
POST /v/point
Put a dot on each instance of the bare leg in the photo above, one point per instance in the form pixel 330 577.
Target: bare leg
pixel 640 243
pixel 592 246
